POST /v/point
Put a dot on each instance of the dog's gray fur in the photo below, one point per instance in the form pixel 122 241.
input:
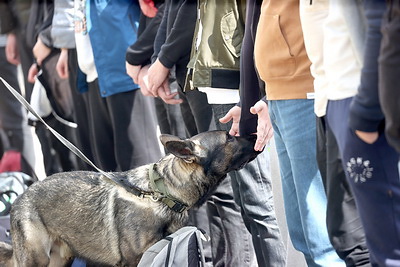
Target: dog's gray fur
pixel 87 215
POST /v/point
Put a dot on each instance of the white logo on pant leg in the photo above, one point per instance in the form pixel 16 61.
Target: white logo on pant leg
pixel 359 169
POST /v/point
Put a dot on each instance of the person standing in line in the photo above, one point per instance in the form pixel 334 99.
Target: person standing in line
pixel 228 242
pixel 172 48
pixel 19 151
pixel 357 124
pixel 320 21
pixel 63 35
pixel 20 21
pixel 57 42
pixel 282 63
pixel 12 118
pixel 23 24
pixel 138 60
pixel 122 122
pixel 215 70
pixel 371 163
pixel 46 51
pixel 389 71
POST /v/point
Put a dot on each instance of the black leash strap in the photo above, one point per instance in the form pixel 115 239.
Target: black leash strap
pixel 65 142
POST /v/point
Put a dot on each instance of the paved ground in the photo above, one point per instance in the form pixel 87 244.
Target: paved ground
pixel 295 258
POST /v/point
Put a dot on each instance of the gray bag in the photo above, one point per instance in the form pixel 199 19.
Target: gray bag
pixel 12 184
pixel 180 249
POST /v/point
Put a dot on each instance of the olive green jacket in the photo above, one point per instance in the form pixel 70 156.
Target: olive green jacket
pixel 215 56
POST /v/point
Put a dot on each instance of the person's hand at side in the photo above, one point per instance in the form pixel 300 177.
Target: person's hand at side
pixel 40 51
pixel 62 64
pixel 148 8
pixel 264 126
pixel 234 116
pixel 33 72
pixel 142 80
pixel 164 92
pixel 367 137
pixel 133 71
pixel 12 53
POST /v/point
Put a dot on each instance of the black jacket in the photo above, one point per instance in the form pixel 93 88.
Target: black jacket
pixel 250 84
pixel 365 111
pixel 29 17
pixel 174 37
pixel 141 51
pixel 389 73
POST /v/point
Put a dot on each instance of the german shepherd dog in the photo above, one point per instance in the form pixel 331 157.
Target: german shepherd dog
pixel 112 219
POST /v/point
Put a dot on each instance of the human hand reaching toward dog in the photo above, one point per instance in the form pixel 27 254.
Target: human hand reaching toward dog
pixel 234 115
pixel 264 126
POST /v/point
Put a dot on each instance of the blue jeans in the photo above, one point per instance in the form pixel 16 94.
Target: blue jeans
pixel 294 124
pixel 252 191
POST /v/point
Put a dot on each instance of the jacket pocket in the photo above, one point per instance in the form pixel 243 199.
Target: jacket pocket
pixel 272 52
pixel 232 33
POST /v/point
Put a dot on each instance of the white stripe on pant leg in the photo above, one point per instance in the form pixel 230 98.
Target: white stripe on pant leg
pixel 398 166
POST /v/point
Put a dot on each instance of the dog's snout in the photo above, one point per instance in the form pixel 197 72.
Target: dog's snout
pixel 251 137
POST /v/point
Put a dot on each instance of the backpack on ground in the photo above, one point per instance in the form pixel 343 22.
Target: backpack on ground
pixel 182 248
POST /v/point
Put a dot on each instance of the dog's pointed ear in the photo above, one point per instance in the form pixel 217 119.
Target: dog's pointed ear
pixel 183 149
pixel 164 138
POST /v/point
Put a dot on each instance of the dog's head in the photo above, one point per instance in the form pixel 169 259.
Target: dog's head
pixel 203 161
pixel 217 152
